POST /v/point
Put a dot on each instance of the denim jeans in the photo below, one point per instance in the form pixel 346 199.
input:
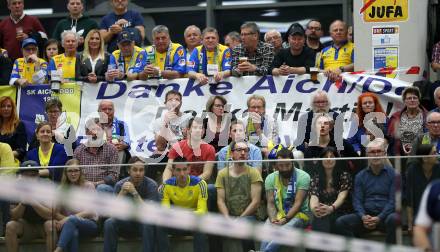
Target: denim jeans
pixel 270 246
pixel 128 229
pixel 351 225
pixel 200 242
pixel 105 188
pixel 73 229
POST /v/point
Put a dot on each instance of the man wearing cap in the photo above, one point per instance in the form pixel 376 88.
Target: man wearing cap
pixel 127 62
pixel 210 59
pixel 30 69
pixel 339 56
pixel 29 220
pixel 166 59
pixel 121 19
pixel 252 56
pixel 297 59
pixel 18 27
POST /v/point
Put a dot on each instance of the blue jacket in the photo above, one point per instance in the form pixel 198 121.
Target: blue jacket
pixel 58 158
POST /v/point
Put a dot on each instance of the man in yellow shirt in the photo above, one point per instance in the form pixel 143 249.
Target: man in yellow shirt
pixel 64 65
pixel 339 56
pixel 30 69
pixel 166 59
pixel 184 190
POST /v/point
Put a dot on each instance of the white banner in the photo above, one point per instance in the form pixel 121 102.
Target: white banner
pixel 139 103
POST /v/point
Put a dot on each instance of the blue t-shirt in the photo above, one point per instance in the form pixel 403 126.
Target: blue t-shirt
pixel 134 18
pixel 147 189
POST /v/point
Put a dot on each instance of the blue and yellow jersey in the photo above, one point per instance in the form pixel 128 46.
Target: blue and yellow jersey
pixel 132 64
pixel 26 70
pixel 333 58
pixel 66 64
pixel 200 58
pixel 193 196
pixel 173 59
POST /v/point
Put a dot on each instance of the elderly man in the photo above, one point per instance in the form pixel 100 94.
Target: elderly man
pixel 373 197
pixel 274 38
pixel 232 39
pixel 297 59
pixel 210 59
pixel 320 103
pixel 30 69
pixel 314 32
pixel 127 62
pixel 430 137
pixel 252 56
pixel 116 131
pixel 261 128
pixel 121 19
pixel 18 27
pixel 76 21
pixel 193 38
pixel 96 151
pixel 339 56
pixel 65 64
pixel 166 59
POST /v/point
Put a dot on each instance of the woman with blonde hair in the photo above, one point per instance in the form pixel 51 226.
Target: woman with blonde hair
pixel 12 130
pixel 94 59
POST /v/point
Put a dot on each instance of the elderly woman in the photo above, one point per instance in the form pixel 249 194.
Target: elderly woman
pixel 406 124
pixel 48 153
pixel 94 59
pixel 67 63
pixel 12 130
pixel 30 69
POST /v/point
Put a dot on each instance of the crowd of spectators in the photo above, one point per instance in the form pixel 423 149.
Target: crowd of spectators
pixel 350 197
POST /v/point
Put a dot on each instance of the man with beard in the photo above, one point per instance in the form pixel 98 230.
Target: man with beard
pixel 96 151
pixel 286 193
pixel 239 188
pixel 313 33
pixel 127 62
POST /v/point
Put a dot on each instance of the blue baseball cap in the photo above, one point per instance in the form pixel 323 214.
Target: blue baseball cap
pixel 28 41
pixel 125 36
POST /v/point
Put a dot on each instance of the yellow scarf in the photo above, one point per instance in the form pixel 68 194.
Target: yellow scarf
pixel 45 159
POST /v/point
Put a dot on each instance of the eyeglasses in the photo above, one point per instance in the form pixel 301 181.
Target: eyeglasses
pixel 73 171
pixel 320 102
pixel 53 111
pixel 241 149
pixel 314 28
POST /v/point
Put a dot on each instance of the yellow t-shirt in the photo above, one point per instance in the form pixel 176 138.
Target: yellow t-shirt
pixel 67 64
